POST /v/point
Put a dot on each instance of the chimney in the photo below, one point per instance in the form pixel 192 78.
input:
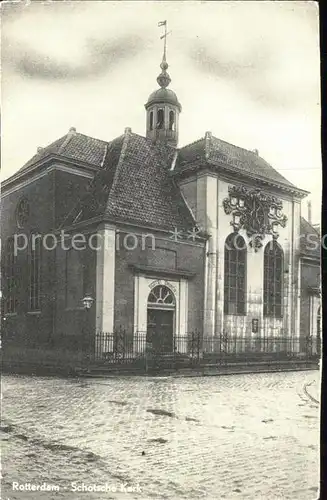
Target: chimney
pixel 256 152
pixel 309 212
pixel 72 131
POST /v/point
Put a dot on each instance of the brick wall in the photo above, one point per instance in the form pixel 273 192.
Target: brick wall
pixel 50 196
pixel 25 326
pixel 74 325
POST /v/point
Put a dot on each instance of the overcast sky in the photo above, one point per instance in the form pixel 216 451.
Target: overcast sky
pixel 246 71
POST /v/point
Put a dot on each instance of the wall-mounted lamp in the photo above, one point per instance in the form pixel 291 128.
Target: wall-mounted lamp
pixel 87 302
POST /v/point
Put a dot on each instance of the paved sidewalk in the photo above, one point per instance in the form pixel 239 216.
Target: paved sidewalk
pixel 231 437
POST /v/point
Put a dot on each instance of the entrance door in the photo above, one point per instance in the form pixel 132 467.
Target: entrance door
pixel 160 330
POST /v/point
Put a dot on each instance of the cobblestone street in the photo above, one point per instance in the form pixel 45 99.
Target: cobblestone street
pixel 241 436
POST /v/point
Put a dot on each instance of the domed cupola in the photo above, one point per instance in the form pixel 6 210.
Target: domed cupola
pixel 163 107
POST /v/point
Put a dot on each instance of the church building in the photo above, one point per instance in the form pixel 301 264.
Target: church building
pixel 159 241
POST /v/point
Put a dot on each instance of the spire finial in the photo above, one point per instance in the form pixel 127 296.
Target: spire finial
pixel 164 79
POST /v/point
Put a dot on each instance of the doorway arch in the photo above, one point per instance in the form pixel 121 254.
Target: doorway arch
pixel 161 308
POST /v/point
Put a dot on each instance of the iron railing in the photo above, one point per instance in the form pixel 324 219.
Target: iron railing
pixel 130 349
pixel 122 346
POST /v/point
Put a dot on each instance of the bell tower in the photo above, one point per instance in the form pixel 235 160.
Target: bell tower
pixel 163 107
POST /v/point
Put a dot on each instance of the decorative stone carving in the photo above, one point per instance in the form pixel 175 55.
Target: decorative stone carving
pixel 22 213
pixel 256 212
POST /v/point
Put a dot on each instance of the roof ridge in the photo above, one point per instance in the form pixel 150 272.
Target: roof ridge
pixel 68 138
pixel 90 187
pixel 123 149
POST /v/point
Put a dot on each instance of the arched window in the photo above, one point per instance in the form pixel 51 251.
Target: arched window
pixel 35 272
pixel 151 120
pixel 160 118
pixel 235 274
pixel 273 280
pixel 171 120
pixel 11 277
pixel 161 295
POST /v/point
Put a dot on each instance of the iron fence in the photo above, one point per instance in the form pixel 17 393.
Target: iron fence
pixel 122 346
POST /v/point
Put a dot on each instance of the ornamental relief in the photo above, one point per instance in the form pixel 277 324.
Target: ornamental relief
pixel 22 213
pixel 257 213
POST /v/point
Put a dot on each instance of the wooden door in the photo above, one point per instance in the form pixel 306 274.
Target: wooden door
pixel 160 329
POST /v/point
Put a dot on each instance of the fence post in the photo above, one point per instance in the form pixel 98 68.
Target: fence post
pixel 223 347
pixel 148 350
pixel 309 345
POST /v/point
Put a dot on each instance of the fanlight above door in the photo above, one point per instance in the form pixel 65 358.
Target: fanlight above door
pixel 161 295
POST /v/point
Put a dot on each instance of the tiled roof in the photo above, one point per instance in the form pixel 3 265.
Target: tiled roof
pixel 310 242
pixel 214 151
pixel 133 183
pixel 53 148
pixel 134 186
pixel 143 191
pixel 75 146
pixel 95 198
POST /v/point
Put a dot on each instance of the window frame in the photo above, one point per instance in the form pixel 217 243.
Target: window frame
pixel 172 123
pixel 35 266
pixel 11 277
pixel 151 120
pixel 273 264
pixel 235 272
pixel 160 125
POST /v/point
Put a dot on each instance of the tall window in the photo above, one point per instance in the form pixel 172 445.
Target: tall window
pixel 160 118
pixel 35 273
pixel 151 120
pixel 272 283
pixel 171 120
pixel 235 272
pixel 11 277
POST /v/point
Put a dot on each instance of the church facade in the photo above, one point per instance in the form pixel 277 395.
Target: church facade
pixel 159 241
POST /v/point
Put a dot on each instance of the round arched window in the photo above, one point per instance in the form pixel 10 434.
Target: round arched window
pixel 22 212
pixel 161 295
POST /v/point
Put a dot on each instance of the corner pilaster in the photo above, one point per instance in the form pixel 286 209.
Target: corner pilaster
pixel 105 278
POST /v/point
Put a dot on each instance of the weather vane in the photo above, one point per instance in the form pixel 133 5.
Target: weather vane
pixel 164 36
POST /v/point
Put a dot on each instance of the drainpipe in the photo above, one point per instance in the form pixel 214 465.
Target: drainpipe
pixel 291 280
pixel 206 271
